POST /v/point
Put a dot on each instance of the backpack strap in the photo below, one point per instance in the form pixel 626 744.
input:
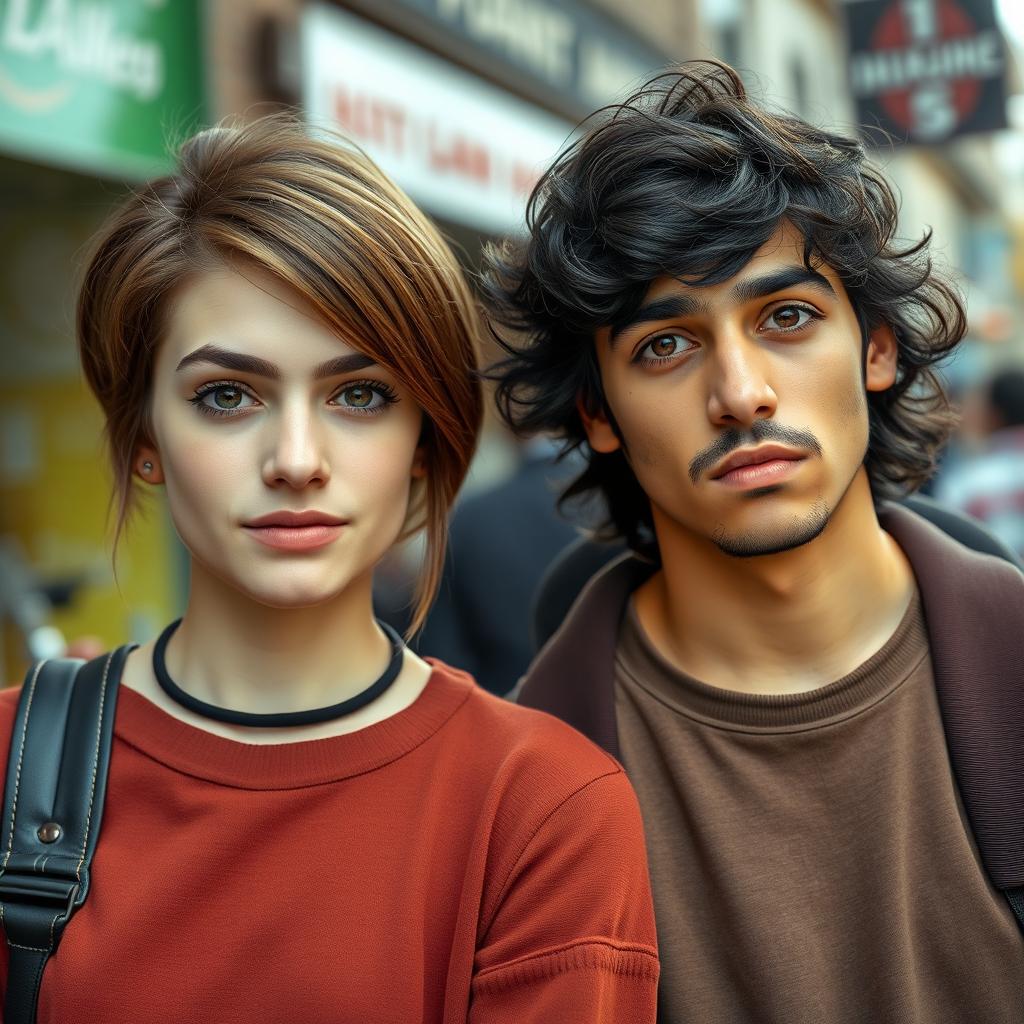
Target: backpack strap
pixel 1015 897
pixel 53 804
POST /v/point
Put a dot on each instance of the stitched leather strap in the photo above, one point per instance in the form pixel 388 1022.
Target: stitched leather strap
pixel 24 976
pixel 53 804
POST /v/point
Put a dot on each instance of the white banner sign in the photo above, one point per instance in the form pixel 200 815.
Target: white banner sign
pixel 462 148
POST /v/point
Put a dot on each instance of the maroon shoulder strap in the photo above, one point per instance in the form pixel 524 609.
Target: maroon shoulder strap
pixel 974 610
pixel 573 677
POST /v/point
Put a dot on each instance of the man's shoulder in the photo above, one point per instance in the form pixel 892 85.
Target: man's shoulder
pixel 939 557
pixel 573 675
pixel 974 612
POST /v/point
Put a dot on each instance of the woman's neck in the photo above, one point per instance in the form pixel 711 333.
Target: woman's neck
pixel 239 654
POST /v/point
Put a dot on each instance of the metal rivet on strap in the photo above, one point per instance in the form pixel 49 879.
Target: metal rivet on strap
pixel 50 832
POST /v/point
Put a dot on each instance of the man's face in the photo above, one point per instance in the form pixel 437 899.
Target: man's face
pixel 288 455
pixel 741 405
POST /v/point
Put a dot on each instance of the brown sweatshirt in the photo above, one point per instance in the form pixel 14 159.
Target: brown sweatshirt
pixel 808 855
pixel 973 610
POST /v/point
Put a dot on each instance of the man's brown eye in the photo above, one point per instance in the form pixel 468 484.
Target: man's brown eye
pixel 787 317
pixel 662 347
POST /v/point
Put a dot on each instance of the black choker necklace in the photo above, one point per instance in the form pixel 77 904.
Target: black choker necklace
pixel 283 718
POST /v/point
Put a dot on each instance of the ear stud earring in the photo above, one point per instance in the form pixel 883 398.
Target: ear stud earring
pixel 147 467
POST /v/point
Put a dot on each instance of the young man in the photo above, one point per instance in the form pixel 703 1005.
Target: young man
pixel 715 307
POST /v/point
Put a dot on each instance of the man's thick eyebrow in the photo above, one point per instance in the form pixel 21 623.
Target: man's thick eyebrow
pixel 660 309
pixel 243 363
pixel 779 280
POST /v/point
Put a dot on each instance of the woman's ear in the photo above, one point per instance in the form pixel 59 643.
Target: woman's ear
pixel 601 434
pixel 147 465
pixel 419 463
pixel 880 360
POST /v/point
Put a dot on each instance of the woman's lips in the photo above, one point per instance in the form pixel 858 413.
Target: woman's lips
pixel 296 538
pixel 761 474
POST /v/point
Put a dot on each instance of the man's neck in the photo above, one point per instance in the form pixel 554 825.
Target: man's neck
pixel 784 623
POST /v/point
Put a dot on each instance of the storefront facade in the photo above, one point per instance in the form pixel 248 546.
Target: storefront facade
pixel 92 97
pixel 463 102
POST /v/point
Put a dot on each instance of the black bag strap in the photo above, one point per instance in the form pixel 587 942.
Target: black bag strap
pixel 1015 897
pixel 53 805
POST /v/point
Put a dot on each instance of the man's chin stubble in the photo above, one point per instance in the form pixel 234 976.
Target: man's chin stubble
pixel 755 544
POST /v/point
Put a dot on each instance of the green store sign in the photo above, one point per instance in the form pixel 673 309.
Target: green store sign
pixel 105 86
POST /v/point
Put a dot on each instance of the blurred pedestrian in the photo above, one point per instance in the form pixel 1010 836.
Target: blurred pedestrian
pixel 988 483
pixel 305 821
pixel 802 679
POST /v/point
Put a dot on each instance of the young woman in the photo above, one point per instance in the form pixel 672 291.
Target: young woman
pixel 304 820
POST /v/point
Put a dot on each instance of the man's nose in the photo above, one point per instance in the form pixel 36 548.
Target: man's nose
pixel 297 456
pixel 739 390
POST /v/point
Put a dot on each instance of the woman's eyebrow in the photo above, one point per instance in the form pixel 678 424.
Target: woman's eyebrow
pixel 230 361
pixel 343 364
pixel 243 363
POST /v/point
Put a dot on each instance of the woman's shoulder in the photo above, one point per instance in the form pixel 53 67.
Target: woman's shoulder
pixel 9 697
pixel 523 742
pixel 554 803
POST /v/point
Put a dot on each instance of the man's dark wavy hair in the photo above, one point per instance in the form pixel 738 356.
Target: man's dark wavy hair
pixel 689 178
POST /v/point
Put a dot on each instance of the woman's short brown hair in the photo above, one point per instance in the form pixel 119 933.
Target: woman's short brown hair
pixel 318 215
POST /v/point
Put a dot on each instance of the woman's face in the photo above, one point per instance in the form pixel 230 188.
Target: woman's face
pixel 287 455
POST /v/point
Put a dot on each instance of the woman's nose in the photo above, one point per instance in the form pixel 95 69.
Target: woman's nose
pixel 297 456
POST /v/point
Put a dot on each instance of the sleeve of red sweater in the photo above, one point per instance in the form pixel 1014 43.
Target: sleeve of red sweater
pixel 572 937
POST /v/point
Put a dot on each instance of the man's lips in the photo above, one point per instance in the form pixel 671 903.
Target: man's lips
pixel 758 466
pixel 295 531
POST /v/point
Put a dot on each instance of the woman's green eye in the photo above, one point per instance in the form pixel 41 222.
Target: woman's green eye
pixel 358 397
pixel 223 399
pixel 227 398
pixel 369 398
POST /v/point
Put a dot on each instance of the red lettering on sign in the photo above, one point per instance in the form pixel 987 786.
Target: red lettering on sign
pixel 371 119
pixel 459 155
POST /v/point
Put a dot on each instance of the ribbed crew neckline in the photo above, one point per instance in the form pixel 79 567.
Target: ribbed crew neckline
pixel 205 755
pixel 642 664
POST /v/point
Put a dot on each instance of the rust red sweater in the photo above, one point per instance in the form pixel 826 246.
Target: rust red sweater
pixel 464 860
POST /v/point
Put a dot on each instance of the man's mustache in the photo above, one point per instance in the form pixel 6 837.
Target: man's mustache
pixel 760 430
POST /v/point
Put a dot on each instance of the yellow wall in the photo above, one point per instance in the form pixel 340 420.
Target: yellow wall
pixel 59 514
pixel 54 479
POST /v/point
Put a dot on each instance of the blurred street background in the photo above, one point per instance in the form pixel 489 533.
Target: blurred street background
pixel 462 102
